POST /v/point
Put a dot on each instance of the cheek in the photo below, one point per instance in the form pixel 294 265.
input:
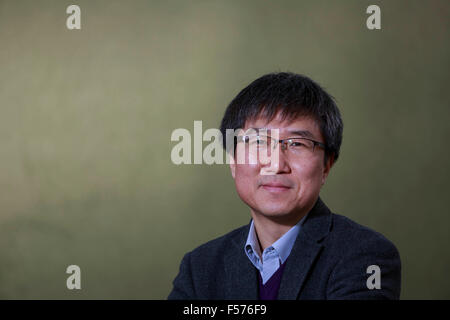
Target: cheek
pixel 244 157
pixel 309 177
pixel 245 178
pixel 246 172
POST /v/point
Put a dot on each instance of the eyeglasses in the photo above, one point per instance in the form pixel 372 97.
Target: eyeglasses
pixel 295 146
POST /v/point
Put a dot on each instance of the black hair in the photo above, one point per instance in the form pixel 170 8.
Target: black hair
pixel 294 96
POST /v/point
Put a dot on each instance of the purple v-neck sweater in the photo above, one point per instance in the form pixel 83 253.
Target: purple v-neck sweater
pixel 269 290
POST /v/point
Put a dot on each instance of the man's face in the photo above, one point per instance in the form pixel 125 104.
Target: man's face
pixel 293 184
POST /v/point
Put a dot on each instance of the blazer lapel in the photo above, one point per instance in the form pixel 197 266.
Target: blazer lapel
pixel 242 280
pixel 306 248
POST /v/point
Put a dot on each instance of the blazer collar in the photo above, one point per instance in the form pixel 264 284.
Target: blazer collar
pixel 242 277
pixel 317 224
pixel 306 248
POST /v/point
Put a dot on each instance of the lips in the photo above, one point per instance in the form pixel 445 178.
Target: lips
pixel 275 187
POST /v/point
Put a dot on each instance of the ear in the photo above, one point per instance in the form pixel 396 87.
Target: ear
pixel 327 168
pixel 232 166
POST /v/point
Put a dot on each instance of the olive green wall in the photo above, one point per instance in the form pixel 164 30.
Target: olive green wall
pixel 86 118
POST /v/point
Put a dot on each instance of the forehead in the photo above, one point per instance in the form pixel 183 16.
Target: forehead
pixel 285 126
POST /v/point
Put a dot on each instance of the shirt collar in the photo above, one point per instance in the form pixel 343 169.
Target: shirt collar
pixel 282 246
pixel 252 242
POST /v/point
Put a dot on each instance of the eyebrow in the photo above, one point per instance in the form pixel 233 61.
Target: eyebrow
pixel 301 133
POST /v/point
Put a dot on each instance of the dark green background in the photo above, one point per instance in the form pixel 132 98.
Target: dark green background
pixel 86 118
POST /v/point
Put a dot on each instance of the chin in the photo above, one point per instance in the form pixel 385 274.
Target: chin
pixel 275 211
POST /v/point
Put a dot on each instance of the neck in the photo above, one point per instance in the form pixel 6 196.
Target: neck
pixel 270 229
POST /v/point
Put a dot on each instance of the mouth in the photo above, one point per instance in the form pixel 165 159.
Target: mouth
pixel 275 188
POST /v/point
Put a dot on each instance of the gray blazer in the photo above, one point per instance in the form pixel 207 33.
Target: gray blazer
pixel 329 260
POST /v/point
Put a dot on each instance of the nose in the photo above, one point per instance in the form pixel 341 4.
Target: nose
pixel 277 161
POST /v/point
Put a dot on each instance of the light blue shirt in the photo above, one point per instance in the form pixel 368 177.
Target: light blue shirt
pixel 274 255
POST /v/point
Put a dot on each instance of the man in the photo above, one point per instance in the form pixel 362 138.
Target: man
pixel 294 247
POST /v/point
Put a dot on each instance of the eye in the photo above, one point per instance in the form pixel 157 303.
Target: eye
pixel 258 141
pixel 297 144
pixel 261 141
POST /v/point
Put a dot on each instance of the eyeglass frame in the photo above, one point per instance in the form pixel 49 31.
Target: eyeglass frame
pixel 282 141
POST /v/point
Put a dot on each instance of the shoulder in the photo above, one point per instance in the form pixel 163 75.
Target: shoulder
pixel 349 230
pixel 348 236
pixel 356 251
pixel 233 240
